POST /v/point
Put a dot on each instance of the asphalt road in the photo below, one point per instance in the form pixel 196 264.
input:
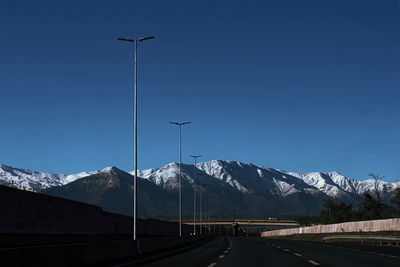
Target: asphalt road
pixel 242 251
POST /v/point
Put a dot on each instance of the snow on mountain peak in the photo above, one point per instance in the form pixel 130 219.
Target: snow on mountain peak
pixel 244 177
pixel 108 169
pixel 33 180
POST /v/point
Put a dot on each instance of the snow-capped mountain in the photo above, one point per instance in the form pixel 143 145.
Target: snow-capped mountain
pixel 33 180
pixel 337 185
pixel 111 189
pixel 216 174
pixel 249 178
pixel 232 188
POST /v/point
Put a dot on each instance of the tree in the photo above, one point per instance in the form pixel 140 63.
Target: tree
pixel 396 200
pixel 336 212
pixel 377 181
pixel 370 208
pixel 307 220
pixel 373 210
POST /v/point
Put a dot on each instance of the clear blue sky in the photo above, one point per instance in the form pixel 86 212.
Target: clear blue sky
pixel 297 85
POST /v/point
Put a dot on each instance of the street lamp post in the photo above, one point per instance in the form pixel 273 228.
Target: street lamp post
pixel 180 172
pixel 201 222
pixel 135 127
pixel 194 192
pixel 209 216
pixel 207 226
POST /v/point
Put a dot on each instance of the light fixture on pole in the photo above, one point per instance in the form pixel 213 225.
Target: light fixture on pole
pixel 180 172
pixel 194 192
pixel 135 127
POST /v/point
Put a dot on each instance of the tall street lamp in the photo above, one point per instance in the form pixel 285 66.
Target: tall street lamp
pixel 194 192
pixel 209 216
pixel 207 203
pixel 201 222
pixel 135 41
pixel 180 173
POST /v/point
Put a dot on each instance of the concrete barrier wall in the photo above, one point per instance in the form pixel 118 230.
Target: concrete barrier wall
pixel 362 226
pixel 24 212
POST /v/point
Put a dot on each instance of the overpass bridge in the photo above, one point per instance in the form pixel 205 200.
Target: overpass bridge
pixel 246 222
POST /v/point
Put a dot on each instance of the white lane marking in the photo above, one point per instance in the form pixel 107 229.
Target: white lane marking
pixel 221 256
pixel 297 254
pixel 230 243
pixel 212 264
pixel 225 251
pixel 278 247
pixel 313 262
pixel 286 250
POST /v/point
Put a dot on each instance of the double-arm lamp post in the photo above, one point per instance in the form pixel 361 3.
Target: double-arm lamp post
pixel 135 41
pixel 194 192
pixel 180 172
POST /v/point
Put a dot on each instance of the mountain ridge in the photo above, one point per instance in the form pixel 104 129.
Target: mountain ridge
pixel 237 175
pixel 244 177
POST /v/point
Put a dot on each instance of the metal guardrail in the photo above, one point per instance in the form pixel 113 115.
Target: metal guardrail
pixel 375 239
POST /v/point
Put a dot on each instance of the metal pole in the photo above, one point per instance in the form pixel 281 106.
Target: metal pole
pixel 135 127
pixel 135 147
pixel 180 172
pixel 194 197
pixel 209 218
pixel 205 216
pixel 180 180
pixel 194 191
pixel 201 223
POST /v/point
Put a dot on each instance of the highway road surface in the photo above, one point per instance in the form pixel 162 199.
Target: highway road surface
pixel 247 251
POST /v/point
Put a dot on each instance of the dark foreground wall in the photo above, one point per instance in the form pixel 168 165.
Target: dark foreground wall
pixel 24 212
pixel 42 230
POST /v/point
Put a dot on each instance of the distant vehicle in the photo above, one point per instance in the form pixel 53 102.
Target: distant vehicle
pixel 272 219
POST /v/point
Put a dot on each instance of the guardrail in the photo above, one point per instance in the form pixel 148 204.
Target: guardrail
pixel 364 239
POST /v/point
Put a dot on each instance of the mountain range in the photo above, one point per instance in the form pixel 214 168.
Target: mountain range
pixel 228 188
pixel 249 178
pixel 35 181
